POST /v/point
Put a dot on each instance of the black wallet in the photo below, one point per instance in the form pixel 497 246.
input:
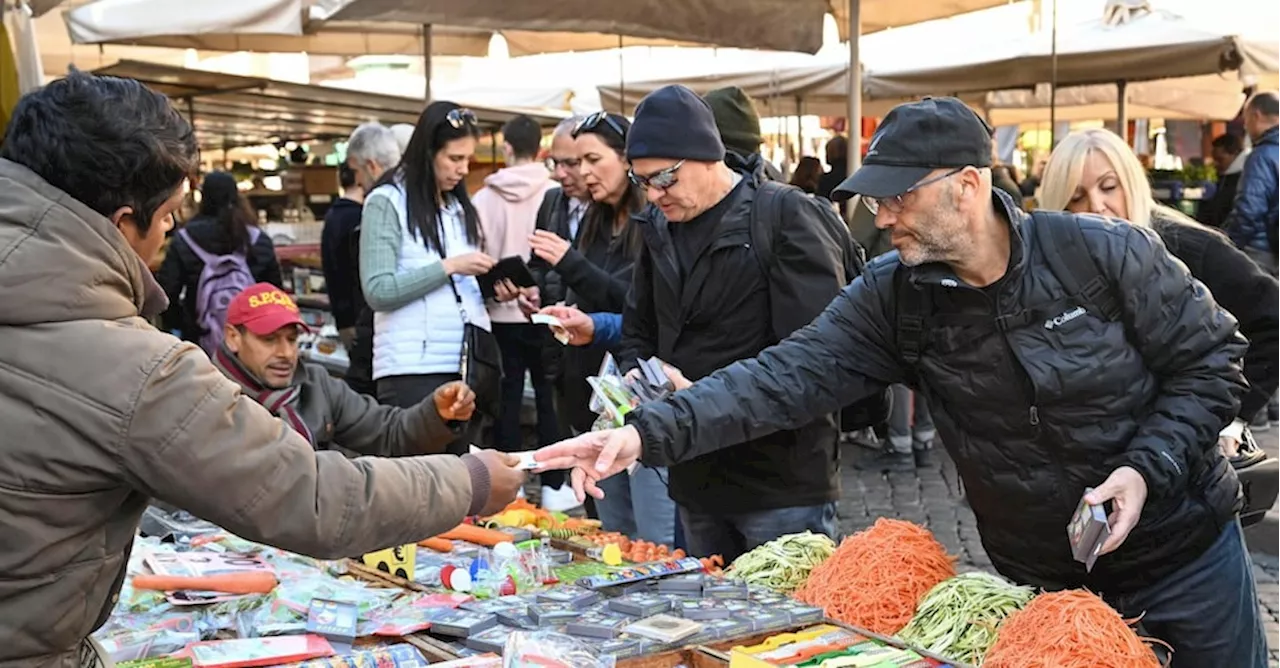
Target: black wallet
pixel 513 268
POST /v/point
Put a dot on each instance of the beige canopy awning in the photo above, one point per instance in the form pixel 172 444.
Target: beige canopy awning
pixel 1208 38
pixel 230 111
pixel 367 27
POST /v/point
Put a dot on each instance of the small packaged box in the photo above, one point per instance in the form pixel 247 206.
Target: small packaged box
pixel 489 640
pixel 621 647
pixel 702 609
pixel 664 628
pixel 799 613
pixel 689 583
pixel 724 589
pixel 732 627
pixel 598 624
pixel 1088 531
pixel 494 605
pixel 463 623
pixel 640 605
pixel 517 618
pixel 573 597
pixel 551 614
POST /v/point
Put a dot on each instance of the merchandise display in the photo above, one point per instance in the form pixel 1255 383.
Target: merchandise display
pixel 505 586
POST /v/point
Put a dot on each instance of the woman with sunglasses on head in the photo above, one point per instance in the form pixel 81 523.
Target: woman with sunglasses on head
pixel 1095 171
pixel 419 259
pixel 596 271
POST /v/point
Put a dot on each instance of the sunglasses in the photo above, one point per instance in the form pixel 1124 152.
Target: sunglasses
pixel 594 120
pixel 896 203
pixel 458 118
pixel 662 179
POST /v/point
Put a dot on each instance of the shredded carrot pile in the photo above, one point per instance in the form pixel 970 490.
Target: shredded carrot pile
pixel 877 576
pixel 1068 629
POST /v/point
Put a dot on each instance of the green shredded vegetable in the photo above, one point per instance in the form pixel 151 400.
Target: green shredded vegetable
pixel 958 618
pixel 782 564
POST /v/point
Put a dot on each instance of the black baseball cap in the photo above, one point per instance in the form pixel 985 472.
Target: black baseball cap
pixel 915 139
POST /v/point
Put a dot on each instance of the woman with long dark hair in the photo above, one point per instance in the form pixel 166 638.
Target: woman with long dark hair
pixel 419 258
pixel 597 269
pixel 225 225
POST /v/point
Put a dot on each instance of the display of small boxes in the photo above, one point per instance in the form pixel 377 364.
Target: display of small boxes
pixel 463 623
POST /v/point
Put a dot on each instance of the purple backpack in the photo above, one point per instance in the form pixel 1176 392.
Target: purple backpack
pixel 223 277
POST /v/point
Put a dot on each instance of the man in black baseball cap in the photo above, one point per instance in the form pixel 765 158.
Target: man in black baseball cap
pixel 1060 354
pixel 915 140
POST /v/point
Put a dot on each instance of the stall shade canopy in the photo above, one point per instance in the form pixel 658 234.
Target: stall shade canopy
pixel 363 27
pixel 780 25
pixel 1205 38
pixel 292 26
pixel 231 111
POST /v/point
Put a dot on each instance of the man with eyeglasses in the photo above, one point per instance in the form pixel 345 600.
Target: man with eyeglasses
pixel 1040 392
pixel 702 297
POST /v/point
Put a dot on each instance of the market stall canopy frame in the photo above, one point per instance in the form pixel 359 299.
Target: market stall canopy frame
pixel 231 111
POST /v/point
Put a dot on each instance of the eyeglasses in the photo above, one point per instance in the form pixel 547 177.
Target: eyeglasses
pixel 594 120
pixel 896 203
pixel 568 163
pixel 662 180
pixel 460 117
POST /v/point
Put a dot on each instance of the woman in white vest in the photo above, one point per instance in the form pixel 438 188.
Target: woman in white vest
pixel 419 256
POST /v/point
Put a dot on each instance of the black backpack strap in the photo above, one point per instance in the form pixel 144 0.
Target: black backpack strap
pixel 1060 240
pixel 913 305
pixel 765 209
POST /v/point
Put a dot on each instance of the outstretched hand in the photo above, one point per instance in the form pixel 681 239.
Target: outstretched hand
pixel 592 457
pixel 455 402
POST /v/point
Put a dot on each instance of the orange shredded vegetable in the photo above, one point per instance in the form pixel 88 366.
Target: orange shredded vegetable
pixel 877 576
pixel 1068 629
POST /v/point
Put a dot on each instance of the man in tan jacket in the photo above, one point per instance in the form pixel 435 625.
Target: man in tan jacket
pixel 101 412
pixel 260 353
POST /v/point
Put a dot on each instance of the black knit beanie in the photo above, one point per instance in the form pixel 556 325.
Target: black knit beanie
pixel 737 119
pixel 673 122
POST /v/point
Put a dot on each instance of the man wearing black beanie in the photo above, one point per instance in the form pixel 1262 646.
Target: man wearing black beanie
pixel 704 296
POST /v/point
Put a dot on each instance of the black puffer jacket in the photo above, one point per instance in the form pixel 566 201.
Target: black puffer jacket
pixel 1240 286
pixel 1031 416
pixel 726 310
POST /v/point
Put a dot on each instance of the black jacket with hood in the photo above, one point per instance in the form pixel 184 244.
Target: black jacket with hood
pixel 1031 415
pixel 726 311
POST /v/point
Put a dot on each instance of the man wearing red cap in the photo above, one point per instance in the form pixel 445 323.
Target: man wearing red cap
pixel 260 353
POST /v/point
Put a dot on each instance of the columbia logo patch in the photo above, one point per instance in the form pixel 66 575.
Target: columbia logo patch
pixel 1065 318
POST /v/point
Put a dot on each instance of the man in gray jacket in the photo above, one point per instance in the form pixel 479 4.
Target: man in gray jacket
pixel 103 413
pixel 260 353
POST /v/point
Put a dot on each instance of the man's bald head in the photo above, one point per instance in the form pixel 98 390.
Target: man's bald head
pixel 1261 113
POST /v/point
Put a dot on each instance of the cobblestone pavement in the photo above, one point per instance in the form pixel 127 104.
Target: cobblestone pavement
pixel 930 496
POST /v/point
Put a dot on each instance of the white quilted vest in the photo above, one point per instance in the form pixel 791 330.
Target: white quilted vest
pixel 425 335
